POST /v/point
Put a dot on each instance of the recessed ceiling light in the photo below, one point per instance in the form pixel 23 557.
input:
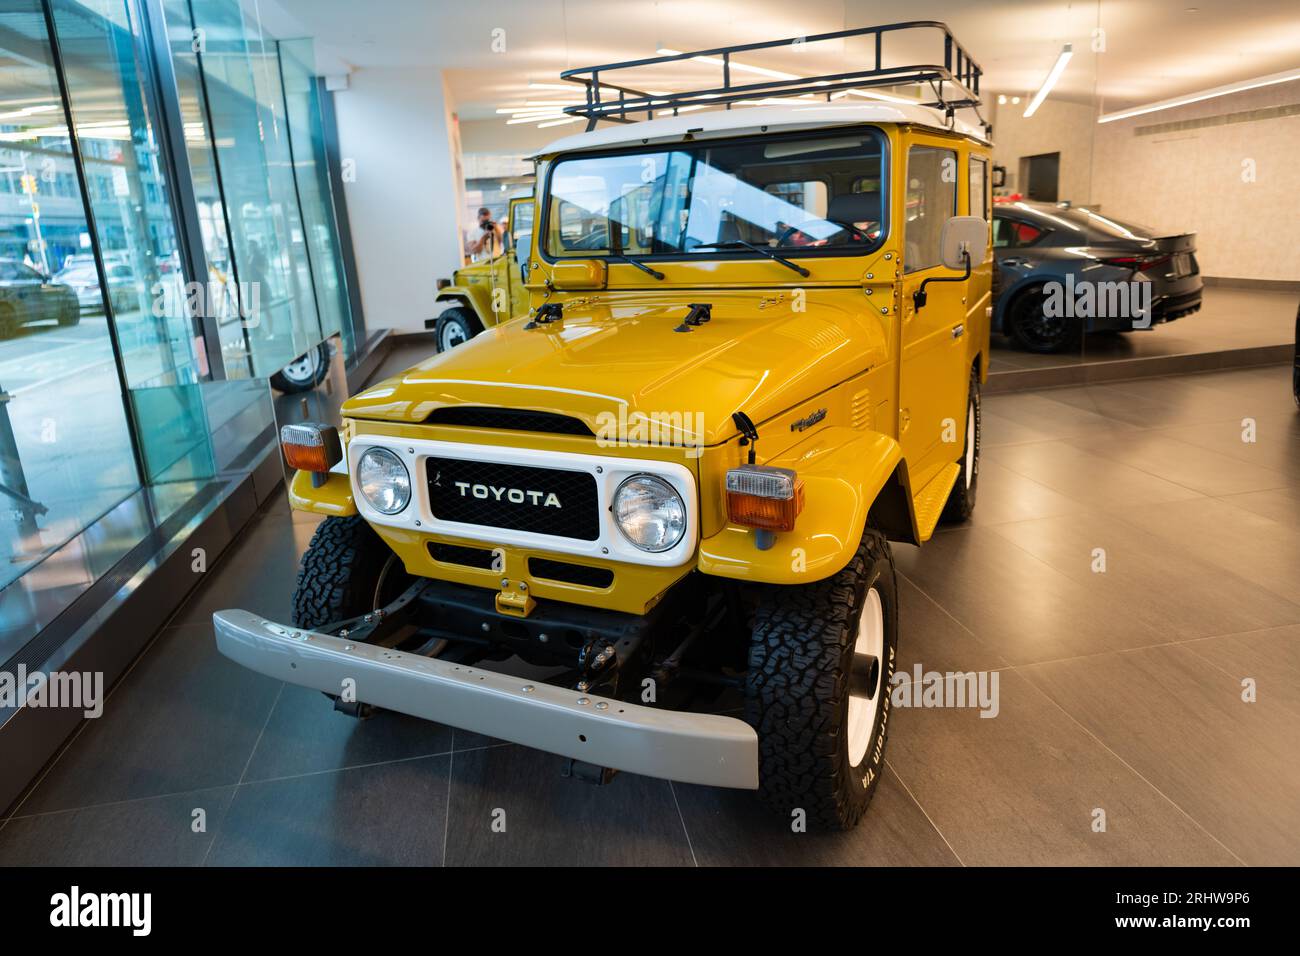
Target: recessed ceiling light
pixel 1002 99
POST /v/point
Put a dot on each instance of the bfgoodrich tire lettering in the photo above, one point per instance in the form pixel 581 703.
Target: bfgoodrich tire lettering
pixel 802 672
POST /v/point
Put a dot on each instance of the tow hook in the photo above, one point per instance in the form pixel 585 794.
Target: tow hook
pixel 587 772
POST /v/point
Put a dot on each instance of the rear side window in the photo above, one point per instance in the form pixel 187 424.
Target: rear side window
pixel 979 195
pixel 1012 233
pixel 931 200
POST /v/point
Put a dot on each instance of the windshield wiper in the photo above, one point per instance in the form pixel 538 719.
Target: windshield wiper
pixel 640 265
pixel 742 244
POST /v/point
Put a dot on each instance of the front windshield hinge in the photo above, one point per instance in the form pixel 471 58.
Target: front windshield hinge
pixel 700 313
pixel 546 313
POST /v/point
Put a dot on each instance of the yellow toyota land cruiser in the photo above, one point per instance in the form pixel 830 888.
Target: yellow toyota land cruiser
pixel 752 358
pixel 486 293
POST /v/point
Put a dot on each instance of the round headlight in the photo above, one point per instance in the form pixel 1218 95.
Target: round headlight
pixel 383 481
pixel 650 513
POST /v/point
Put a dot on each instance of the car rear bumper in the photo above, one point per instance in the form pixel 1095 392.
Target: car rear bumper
pixel 691 748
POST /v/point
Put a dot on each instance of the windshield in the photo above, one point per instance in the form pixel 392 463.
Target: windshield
pixel 811 193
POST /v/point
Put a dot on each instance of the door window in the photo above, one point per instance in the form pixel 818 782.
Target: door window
pixel 931 200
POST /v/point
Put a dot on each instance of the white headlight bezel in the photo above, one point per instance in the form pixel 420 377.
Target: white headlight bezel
pixel 667 486
pixel 381 452
pixel 608 472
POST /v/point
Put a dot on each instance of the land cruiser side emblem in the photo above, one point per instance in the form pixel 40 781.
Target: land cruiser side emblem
pixel 518 496
pixel 804 424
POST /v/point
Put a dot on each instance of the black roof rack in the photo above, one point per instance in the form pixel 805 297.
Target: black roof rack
pixel 955 83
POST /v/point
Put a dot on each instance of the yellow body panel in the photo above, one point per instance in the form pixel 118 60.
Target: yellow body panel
pixel 847 382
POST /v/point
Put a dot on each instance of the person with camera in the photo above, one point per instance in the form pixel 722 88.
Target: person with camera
pixel 490 235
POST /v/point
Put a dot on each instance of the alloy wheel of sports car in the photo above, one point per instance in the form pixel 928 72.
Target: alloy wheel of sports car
pixel 1036 331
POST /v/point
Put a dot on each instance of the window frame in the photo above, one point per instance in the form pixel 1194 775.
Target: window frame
pixel 543 218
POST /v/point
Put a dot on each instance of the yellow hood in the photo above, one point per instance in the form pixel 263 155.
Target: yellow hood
pixel 618 355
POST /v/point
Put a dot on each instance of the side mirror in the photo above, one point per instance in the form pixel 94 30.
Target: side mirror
pixel 963 238
pixel 961 235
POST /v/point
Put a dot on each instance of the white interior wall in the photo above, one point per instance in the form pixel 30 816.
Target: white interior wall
pixel 398 129
pixel 1192 180
pixel 1057 126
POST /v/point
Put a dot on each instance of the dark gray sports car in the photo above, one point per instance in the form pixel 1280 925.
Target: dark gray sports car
pixel 1065 271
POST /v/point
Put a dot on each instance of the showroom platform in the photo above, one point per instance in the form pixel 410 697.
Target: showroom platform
pixel 1119 690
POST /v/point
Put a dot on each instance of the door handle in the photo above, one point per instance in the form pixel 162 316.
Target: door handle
pixel 958 330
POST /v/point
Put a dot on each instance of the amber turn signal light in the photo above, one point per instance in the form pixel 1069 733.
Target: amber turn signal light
pixel 759 496
pixel 311 446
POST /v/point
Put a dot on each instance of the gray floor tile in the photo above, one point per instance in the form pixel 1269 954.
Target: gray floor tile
pixel 158 831
pixel 1182 724
pixel 1097 481
pixel 394 814
pixel 1280 504
pixel 1015 603
pixel 930 636
pixel 1271 658
pixel 305 734
pixel 185 718
pixel 1189 466
pixel 733 828
pixel 1140 566
pixel 556 821
pixel 1247 546
pixel 1021 789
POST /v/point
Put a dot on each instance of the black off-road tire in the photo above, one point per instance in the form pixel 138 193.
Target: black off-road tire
pixel 455 327
pixel 961 500
pixel 801 662
pixel 347 571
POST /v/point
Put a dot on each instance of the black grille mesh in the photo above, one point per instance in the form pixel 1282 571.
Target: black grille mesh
pixel 462 555
pixel 582 574
pixel 514 497
pixel 514 419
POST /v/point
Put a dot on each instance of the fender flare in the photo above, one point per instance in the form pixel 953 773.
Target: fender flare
pixel 845 473
pixel 476 298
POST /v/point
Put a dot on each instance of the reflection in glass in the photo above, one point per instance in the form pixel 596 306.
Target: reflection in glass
pixel 65 445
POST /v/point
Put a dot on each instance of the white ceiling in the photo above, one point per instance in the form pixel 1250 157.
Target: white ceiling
pixel 1153 48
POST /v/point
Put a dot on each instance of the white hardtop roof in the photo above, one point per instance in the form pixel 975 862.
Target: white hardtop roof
pixel 745 120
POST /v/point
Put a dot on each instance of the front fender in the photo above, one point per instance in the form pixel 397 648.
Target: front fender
pixel 332 499
pixel 843 470
pixel 477 298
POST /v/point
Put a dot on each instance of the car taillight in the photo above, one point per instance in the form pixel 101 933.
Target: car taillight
pixel 311 446
pixel 760 496
pixel 1137 263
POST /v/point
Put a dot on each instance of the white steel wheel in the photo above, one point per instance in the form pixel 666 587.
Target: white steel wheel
pixel 864 682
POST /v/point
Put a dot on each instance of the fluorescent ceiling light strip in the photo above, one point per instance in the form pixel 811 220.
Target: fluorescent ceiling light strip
pixel 1271 79
pixel 1058 68
pixel 742 67
pixel 558 122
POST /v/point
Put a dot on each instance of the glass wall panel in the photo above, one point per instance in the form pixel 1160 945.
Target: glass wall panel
pixel 245 104
pixel 298 67
pixel 65 444
pixel 222 298
pixel 161 346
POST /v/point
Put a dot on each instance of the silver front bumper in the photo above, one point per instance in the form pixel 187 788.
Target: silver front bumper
pixel 692 748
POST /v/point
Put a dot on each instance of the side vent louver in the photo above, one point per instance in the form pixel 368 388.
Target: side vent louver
pixel 860 409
